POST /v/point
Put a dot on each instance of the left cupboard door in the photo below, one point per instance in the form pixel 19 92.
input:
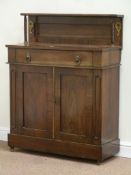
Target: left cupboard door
pixel 31 100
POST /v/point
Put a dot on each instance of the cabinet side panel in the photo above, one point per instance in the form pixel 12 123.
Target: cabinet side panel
pixel 13 99
pixel 110 104
pixel 97 107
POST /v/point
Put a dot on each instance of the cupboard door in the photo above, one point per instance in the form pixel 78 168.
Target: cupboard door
pixel 73 104
pixel 34 101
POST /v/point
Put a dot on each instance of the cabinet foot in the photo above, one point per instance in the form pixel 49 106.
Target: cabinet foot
pixel 12 148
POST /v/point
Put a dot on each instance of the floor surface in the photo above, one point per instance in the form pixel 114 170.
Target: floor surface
pixel 32 163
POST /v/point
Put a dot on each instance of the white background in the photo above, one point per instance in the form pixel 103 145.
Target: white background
pixel 11 31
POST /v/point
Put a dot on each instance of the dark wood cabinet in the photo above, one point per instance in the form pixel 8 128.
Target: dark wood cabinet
pixel 64 85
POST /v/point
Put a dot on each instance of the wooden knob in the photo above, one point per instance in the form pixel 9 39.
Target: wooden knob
pixel 28 57
pixel 77 60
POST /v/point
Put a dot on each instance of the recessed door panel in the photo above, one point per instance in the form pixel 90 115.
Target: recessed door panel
pixel 35 101
pixel 74 103
pixel 35 108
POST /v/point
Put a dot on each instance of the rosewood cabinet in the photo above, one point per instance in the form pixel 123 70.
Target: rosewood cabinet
pixel 64 85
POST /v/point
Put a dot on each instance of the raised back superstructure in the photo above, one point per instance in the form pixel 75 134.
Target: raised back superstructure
pixel 74 29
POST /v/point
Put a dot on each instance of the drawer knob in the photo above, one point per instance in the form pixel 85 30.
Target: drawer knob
pixel 77 60
pixel 28 58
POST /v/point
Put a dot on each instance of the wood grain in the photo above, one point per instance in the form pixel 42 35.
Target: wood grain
pixel 64 86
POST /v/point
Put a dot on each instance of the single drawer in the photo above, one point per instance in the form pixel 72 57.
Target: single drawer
pixel 70 58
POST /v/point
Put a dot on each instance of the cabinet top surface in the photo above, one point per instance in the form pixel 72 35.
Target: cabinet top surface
pixel 60 14
pixel 64 46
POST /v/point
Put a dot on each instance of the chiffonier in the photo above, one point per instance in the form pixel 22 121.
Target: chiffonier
pixel 64 85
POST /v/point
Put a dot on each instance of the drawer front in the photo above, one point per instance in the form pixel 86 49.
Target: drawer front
pixel 70 58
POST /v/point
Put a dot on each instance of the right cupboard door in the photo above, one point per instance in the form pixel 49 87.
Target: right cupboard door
pixel 73 115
